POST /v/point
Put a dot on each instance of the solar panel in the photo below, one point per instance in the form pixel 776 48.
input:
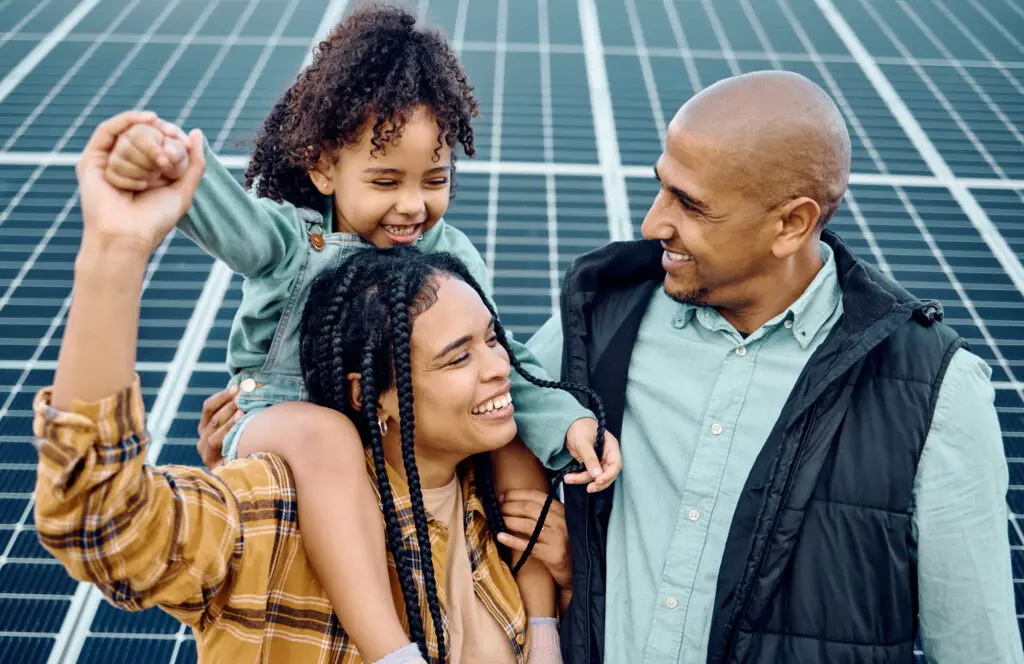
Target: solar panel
pixel 576 98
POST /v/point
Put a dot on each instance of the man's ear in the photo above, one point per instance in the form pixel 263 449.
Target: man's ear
pixel 799 219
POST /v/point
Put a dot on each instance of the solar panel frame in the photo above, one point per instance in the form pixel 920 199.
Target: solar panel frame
pixel 576 99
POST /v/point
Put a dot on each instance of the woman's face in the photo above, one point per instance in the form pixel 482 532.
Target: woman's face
pixel 460 377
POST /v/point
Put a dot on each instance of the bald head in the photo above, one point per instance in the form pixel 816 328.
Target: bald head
pixel 774 134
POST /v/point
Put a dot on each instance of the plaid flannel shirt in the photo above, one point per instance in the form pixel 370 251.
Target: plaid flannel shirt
pixel 219 551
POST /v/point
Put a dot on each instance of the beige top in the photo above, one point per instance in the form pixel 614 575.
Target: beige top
pixel 473 633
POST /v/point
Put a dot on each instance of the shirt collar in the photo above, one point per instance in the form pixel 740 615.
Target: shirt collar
pixel 472 504
pixel 804 318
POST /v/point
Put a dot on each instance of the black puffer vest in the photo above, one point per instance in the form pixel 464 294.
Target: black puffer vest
pixel 817 566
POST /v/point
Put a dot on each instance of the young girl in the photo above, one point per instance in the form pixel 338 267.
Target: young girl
pixel 357 153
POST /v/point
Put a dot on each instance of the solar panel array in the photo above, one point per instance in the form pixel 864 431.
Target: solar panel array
pixel 576 96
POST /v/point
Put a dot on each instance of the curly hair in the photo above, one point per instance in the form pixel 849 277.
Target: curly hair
pixel 372 71
pixel 358 319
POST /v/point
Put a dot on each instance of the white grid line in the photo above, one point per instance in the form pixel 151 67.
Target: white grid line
pixel 646 72
pixel 547 124
pixel 497 118
pixel 966 75
pixel 720 36
pixel 684 45
pixel 69 133
pixel 45 46
pixel 571 169
pixel 536 47
pixel 551 169
pixel 75 629
pixel 53 92
pixel 1013 5
pixel 620 226
pixel 7 36
pixel 978 44
pixel 937 92
pixel 996 24
pixel 979 218
pixel 858 128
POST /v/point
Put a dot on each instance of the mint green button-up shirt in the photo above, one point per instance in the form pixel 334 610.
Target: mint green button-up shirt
pixel 700 402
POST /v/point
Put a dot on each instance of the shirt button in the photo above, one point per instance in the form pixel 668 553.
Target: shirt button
pixel 693 515
pixel 671 602
pixel 478 575
pixel 788 325
pixel 741 350
pixel 520 639
pixel 716 429
pixel 248 385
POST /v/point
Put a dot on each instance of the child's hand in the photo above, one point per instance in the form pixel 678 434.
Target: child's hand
pixel 220 413
pixel 580 442
pixel 148 155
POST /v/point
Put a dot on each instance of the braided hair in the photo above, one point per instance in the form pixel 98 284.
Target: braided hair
pixel 372 71
pixel 358 319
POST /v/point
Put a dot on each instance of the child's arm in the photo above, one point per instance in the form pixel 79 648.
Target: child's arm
pixel 552 423
pixel 255 237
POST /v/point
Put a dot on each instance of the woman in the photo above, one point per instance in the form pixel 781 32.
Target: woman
pixel 221 551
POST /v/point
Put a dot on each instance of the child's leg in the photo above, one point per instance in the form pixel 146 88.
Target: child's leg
pixel 515 467
pixel 339 517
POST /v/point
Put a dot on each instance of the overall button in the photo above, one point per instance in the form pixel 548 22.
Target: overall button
pixel 248 385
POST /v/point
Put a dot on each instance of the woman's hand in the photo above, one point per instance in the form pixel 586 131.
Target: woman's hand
pixel 521 509
pixel 121 221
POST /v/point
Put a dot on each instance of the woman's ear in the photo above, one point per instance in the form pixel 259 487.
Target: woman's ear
pixel 355 392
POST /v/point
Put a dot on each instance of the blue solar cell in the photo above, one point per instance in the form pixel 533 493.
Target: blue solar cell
pixel 722 37
pixel 16 577
pixel 24 650
pixel 122 650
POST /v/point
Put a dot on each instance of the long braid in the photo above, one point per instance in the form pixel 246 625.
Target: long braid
pixel 402 557
pixel 400 331
pixel 484 476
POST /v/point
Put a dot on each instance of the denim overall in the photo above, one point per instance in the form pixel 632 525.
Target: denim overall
pixel 280 378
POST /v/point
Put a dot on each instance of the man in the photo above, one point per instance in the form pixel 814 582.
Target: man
pixel 813 463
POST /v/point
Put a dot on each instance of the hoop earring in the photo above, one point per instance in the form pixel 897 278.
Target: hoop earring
pixel 383 426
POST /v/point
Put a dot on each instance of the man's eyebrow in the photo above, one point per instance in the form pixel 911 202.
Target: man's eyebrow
pixel 686 198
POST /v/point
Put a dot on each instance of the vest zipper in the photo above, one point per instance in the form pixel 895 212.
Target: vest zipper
pixel 741 609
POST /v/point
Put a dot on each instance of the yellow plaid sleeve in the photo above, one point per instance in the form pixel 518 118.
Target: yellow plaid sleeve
pixel 168 536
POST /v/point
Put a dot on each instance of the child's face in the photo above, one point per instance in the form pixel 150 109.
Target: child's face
pixel 396 195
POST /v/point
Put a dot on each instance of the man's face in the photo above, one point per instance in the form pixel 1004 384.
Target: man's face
pixel 717 237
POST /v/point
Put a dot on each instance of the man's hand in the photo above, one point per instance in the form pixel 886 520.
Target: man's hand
pixel 579 440
pixel 220 413
pixel 117 220
pixel 521 509
pixel 148 155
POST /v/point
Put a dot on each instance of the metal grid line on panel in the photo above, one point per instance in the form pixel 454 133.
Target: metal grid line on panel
pixel 575 100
